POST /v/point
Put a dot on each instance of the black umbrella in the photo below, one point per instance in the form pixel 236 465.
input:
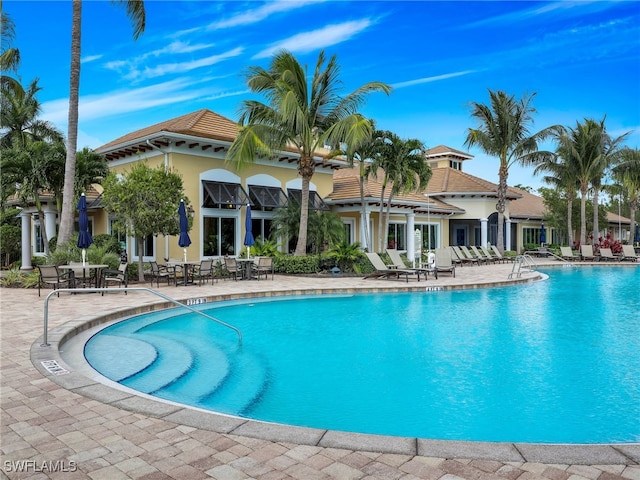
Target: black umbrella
pixel 84 238
pixel 184 241
pixel 248 233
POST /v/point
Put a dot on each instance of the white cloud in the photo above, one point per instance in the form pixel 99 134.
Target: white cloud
pixel 318 39
pixel 90 58
pixel 259 14
pixel 418 81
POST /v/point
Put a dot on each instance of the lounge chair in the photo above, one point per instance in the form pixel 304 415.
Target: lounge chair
pixel 497 253
pixel 118 277
pixel 628 253
pixel 464 258
pixel 470 255
pixel 397 262
pixel 492 258
pixel 382 271
pixel 567 254
pixel 586 252
pixel 51 275
pixel 607 255
pixel 482 256
pixel 444 262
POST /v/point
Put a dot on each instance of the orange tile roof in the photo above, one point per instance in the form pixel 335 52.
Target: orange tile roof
pixel 529 206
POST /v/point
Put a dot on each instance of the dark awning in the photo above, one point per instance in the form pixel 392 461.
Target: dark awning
pixel 221 194
pixel 267 197
pixel 315 202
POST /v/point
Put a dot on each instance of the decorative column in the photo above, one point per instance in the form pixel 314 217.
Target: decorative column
pixel 50 222
pixel 363 234
pixel 507 234
pixel 368 221
pixel 483 231
pixel 411 238
pixel 26 241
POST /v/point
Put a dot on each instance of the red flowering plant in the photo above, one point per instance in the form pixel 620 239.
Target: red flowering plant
pixel 607 242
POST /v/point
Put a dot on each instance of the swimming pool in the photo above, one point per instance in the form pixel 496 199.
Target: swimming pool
pixel 556 361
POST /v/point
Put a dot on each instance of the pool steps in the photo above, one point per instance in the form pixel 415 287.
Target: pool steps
pixel 162 365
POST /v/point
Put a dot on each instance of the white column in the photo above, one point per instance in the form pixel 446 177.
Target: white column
pixel 368 220
pixel 411 238
pixel 363 234
pixel 483 231
pixel 26 241
pixel 507 233
pixel 50 223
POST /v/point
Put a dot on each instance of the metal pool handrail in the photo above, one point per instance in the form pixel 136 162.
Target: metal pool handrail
pixel 126 289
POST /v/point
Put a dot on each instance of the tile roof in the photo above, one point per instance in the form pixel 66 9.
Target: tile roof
pixel 529 206
pixel 203 123
pixel 444 151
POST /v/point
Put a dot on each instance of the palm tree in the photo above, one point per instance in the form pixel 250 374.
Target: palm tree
pixel 302 114
pixel 563 177
pixel 136 13
pixel 363 154
pixel 19 110
pixel 9 56
pixel 627 173
pixel 29 168
pixel 504 133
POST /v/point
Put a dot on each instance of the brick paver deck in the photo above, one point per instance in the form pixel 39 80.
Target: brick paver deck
pixel 68 427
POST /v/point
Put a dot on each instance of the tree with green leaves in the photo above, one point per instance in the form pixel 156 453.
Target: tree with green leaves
pixel 402 164
pixel 504 132
pixel 303 113
pixel 626 173
pixel 29 168
pixel 136 13
pixel 9 55
pixel 144 201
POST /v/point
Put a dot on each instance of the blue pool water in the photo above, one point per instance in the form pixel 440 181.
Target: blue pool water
pixel 556 361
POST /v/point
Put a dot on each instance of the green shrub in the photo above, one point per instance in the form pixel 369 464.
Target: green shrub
pixel 12 278
pixel 307 264
pixel 108 242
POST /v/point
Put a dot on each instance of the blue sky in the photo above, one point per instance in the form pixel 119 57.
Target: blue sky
pixel 582 59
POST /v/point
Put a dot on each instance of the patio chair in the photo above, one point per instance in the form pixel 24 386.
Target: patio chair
pixel 492 258
pixel 162 272
pixel 481 256
pixel 497 253
pixel 471 256
pixel 586 252
pixel 263 266
pixel 397 262
pixel 444 262
pixel 204 271
pixel 567 254
pixel 118 277
pixel 464 258
pixel 231 268
pixel 607 255
pixel 52 275
pixel 382 271
pixel 628 253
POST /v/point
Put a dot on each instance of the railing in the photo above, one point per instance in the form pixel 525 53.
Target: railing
pixel 522 263
pixel 126 289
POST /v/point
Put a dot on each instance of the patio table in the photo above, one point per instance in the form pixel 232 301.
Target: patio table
pixel 86 266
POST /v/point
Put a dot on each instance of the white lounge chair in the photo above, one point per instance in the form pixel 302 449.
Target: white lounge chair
pixel 567 254
pixel 397 262
pixel 628 253
pixel 444 262
pixel 499 255
pixel 586 252
pixel 607 255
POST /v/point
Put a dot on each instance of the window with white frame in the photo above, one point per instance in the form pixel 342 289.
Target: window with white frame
pixel 397 236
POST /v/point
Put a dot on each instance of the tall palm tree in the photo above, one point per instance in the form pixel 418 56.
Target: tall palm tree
pixel 627 174
pixel 563 177
pixel 609 152
pixel 302 113
pixel 364 154
pixel 136 13
pixel 504 133
pixel 406 170
pixel 19 110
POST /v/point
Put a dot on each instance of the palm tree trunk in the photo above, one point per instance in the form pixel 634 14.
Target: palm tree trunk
pixel 569 215
pixel 386 220
pixel 596 227
pixel 502 201
pixel 363 210
pixel 67 214
pixel 583 215
pixel 301 246
pixel 140 242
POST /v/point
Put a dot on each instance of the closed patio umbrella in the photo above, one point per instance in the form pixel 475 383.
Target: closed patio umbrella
pixel 84 237
pixel 543 234
pixel 248 234
pixel 636 237
pixel 184 240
